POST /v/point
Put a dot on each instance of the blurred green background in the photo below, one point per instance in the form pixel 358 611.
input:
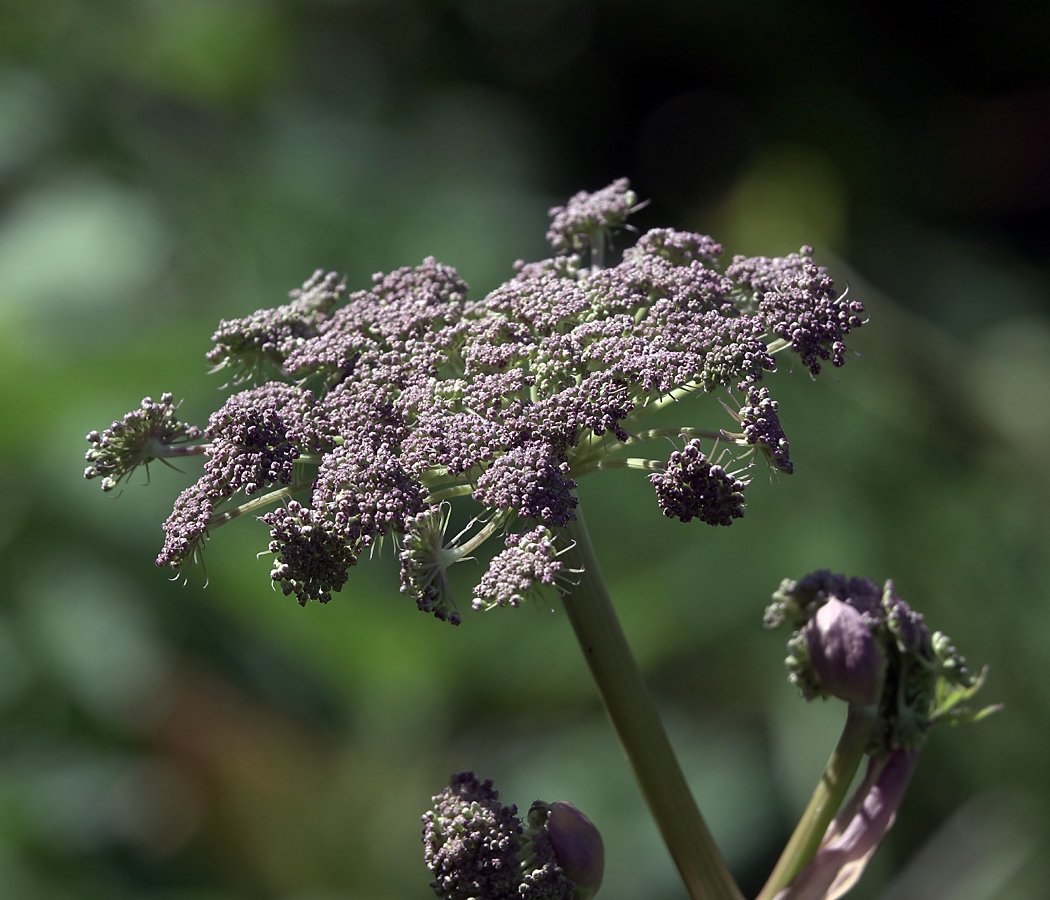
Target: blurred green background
pixel 165 163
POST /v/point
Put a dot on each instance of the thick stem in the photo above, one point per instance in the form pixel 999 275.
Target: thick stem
pixel 826 799
pixel 639 728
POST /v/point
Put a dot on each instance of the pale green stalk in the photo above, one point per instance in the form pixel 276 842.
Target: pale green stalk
pixel 639 728
pixel 826 799
pixel 258 503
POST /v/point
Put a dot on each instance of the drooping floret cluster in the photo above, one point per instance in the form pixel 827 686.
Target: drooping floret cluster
pixel 312 557
pixel 477 848
pixel 799 302
pixel 374 408
pixel 863 644
pixel 692 487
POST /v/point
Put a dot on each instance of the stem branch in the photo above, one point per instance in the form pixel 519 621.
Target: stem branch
pixel 258 503
pixel 171 451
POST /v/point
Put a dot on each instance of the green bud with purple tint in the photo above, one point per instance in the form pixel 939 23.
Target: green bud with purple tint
pixel 845 656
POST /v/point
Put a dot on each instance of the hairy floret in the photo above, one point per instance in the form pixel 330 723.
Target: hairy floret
pixel 529 563
pixel 270 335
pixel 577 224
pixel 692 487
pixel 425 561
pixel 312 558
pixel 143 435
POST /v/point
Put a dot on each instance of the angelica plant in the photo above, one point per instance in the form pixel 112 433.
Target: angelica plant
pixel 361 416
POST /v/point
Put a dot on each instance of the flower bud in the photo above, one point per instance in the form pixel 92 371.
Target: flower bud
pixel 845 656
pixel 577 847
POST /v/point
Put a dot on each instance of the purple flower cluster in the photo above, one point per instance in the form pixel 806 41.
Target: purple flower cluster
pixel 800 305
pixel 394 399
pixel 472 844
pixel 270 335
pixel 692 487
pixel 531 479
pixel 255 440
pixel 529 562
pixel 143 435
pixel 471 841
pixel 311 556
pixel 188 524
pixel 366 494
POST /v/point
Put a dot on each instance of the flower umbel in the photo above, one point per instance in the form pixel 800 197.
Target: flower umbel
pixel 388 402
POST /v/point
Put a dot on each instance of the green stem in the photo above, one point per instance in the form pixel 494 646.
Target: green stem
pixel 173 451
pixel 458 490
pixel 587 459
pixel 491 527
pixel 258 503
pixel 627 462
pixel 826 799
pixel 730 438
pixel 639 728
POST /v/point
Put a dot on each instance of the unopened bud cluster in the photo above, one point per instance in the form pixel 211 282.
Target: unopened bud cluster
pixel 863 644
pixel 478 849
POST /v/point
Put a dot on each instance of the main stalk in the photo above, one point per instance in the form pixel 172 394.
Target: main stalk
pixel 639 727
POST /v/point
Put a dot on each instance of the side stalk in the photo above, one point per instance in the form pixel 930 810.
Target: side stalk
pixel 826 799
pixel 639 727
